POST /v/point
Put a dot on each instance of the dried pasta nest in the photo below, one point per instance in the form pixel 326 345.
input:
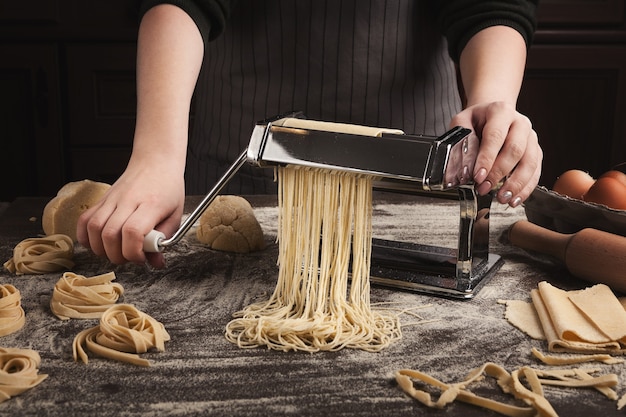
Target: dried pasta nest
pixel 12 316
pixel 80 297
pixel 123 333
pixel 42 255
pixel 18 371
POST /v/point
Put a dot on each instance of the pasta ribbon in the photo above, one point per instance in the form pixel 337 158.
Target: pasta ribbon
pixel 76 296
pixel 122 334
pixel 18 371
pixel 12 316
pixel 525 384
pixel 41 255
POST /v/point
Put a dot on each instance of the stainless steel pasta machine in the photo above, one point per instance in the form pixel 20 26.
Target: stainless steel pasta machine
pixel 438 167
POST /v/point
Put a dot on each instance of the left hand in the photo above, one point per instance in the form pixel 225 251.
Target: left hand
pixel 509 150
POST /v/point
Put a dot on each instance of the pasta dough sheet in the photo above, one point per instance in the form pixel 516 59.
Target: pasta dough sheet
pixel 523 315
pixel 592 320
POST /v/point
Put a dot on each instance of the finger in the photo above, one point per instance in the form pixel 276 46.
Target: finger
pixel 112 236
pixel 94 223
pixel 492 142
pixel 81 226
pixel 138 225
pixel 512 149
pixel 133 233
pixel 525 177
pixel 157 260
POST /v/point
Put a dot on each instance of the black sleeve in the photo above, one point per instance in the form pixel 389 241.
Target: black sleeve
pixel 461 19
pixel 209 15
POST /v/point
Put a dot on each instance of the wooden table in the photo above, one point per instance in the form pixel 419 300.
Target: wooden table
pixel 201 373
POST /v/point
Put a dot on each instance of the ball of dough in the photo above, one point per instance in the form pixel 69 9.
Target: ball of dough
pixel 61 214
pixel 229 224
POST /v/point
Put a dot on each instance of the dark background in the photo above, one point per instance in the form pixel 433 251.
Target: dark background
pixel 67 90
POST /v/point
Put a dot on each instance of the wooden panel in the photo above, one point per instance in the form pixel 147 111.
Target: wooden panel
pixel 31 157
pixel 26 11
pixel 101 85
pixel 575 12
pixel 69 20
pixel 103 164
pixel 575 97
pixel 109 13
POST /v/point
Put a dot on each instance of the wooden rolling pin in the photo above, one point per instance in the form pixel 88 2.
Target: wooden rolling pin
pixel 590 254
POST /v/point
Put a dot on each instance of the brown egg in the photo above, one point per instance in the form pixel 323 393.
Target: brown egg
pixel 573 183
pixel 618 175
pixel 607 191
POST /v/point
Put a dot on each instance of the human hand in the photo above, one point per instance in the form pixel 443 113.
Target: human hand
pixel 509 151
pixel 142 199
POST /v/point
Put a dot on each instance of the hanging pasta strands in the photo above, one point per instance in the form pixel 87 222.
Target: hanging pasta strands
pixel 322 296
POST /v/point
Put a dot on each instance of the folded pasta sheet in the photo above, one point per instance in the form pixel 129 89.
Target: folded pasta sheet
pixel 591 320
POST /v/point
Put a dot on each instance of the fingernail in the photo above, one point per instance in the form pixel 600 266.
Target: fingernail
pixel 484 188
pixel 516 202
pixel 465 174
pixel 480 176
pixel 506 196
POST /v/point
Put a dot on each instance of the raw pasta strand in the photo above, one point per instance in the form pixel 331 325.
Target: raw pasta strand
pixel 319 303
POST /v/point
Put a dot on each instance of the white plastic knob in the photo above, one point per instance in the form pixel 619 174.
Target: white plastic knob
pixel 151 241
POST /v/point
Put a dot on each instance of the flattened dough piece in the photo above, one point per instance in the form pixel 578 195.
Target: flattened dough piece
pixel 523 315
pixel 61 213
pixel 602 308
pixel 229 224
pixel 569 322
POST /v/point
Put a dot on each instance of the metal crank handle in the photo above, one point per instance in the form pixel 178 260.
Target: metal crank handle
pixel 155 240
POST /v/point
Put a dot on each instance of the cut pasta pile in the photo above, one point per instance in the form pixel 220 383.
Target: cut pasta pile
pixel 76 296
pixel 41 255
pixel 12 316
pixel 322 296
pixel 123 333
pixel 18 371
pixel 524 383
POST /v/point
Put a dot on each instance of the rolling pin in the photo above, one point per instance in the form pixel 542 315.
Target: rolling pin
pixel 589 254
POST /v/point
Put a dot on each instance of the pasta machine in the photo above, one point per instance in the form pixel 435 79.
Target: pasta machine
pixel 439 167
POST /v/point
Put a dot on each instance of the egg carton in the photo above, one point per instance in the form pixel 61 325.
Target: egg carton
pixel 563 214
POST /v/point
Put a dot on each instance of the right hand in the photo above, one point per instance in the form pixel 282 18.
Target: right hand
pixel 145 197
pixel 150 194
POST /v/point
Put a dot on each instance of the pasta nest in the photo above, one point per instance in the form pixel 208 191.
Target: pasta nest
pixel 76 296
pixel 41 255
pixel 12 316
pixel 18 371
pixel 123 332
